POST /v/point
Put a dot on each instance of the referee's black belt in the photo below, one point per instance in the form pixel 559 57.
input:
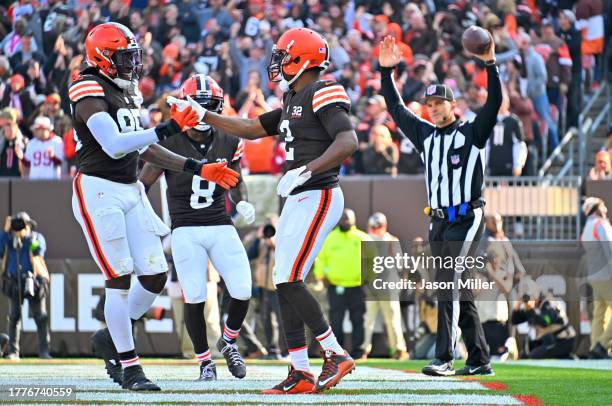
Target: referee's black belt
pixel 452 212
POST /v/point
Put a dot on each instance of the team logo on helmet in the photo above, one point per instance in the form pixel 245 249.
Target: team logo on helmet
pixel 205 91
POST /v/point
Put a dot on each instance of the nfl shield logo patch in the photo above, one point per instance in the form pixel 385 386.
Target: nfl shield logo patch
pixel 454 159
pixel 431 90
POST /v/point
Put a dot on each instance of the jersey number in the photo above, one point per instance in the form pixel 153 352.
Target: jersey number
pixel 128 119
pixel 202 189
pixel 42 158
pixel 286 132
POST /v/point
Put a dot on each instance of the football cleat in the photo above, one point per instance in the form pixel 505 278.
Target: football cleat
pixel 484 370
pixel 208 371
pixel 235 364
pixel 134 379
pixel 598 352
pixel 296 382
pixel 335 367
pixel 4 340
pixel 439 368
pixel 103 346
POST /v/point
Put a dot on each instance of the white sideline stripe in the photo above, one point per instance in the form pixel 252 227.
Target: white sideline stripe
pixel 387 398
pixel 8 372
pixel 600 364
pixel 251 385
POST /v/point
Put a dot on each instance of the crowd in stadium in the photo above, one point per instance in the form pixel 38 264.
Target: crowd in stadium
pixel 551 56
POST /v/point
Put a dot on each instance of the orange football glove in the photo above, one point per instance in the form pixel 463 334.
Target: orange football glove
pixel 186 118
pixel 220 174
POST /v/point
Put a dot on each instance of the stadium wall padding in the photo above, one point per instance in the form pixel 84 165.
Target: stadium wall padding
pixel 74 273
pixel 76 286
pixel 601 189
pixel 5 199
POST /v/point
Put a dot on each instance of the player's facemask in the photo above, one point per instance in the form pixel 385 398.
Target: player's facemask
pixel 214 105
pixel 128 63
pixel 280 58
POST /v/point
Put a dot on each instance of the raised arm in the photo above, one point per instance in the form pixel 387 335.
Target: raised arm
pixel 411 125
pixel 93 112
pixel 487 117
pixel 215 172
pixel 250 129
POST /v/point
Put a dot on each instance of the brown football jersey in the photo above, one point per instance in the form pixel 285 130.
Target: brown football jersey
pixel 306 139
pixel 92 160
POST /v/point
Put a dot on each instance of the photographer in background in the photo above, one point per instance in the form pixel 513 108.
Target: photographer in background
pixel 554 336
pixel 261 255
pixel 25 276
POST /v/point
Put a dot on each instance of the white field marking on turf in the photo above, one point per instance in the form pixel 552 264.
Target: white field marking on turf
pixel 249 385
pixel 186 372
pixel 387 398
pixel 602 364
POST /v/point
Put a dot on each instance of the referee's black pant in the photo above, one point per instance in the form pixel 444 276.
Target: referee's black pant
pixel 351 300
pixel 456 307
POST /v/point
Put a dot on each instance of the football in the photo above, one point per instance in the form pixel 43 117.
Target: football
pixel 477 40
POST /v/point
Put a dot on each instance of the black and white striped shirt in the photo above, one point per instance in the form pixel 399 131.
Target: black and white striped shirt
pixel 454 156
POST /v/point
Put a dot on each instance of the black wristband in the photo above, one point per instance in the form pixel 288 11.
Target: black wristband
pixel 192 166
pixel 386 68
pixel 490 63
pixel 167 129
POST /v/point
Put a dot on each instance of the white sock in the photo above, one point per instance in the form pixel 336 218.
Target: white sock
pixel 139 300
pixel 118 319
pixel 299 358
pixel 329 342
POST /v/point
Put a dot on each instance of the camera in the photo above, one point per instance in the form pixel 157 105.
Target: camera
pixel 20 220
pixel 269 231
pixel 17 224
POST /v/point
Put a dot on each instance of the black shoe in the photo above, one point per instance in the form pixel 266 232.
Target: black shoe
pixel 439 368
pixel 135 379
pixel 208 371
pixel 4 340
pixel 483 370
pixel 235 364
pixel 103 347
pixel 45 355
pixel 598 352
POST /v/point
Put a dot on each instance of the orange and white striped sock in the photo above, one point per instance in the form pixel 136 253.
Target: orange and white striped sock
pixel 205 356
pixel 230 335
pixel 129 359
pixel 329 342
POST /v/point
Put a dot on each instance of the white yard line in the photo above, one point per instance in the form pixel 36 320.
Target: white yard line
pixel 602 364
pixel 83 385
pixel 388 398
pixel 179 372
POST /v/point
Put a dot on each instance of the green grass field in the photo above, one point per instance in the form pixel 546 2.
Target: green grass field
pixel 553 386
pixel 374 382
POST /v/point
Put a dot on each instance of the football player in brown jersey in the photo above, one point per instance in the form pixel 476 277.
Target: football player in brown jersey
pixel 122 231
pixel 318 135
pixel 202 230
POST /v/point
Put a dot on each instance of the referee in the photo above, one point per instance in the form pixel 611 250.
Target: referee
pixel 454 156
